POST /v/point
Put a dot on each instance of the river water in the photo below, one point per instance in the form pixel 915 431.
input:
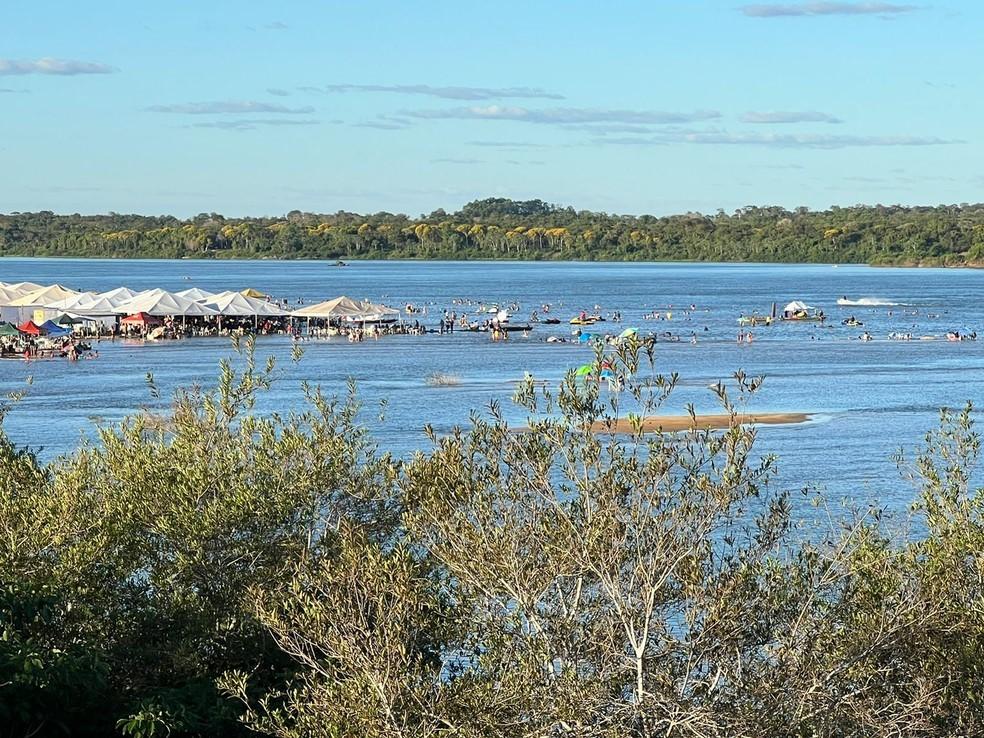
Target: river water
pixel 868 399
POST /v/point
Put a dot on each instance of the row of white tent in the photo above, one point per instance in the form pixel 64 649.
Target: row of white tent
pixel 25 300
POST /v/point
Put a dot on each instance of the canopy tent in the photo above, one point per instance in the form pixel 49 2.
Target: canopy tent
pixel 30 328
pixel 140 319
pixel 20 288
pixel 43 296
pixel 99 306
pixel 376 313
pixel 237 304
pixel 340 307
pixel 250 292
pixel 50 328
pixel 197 294
pixel 73 301
pixel 6 329
pixel 8 294
pixel 161 302
pixel 66 319
pixel 119 295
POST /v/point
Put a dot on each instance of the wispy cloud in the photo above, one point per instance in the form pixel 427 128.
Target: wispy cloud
pixel 785 10
pixel 276 26
pixel 12 91
pixel 450 160
pixel 564 116
pixel 508 144
pixel 229 107
pixel 277 91
pixel 805 116
pixel 47 65
pixel 385 123
pixel 249 125
pixel 448 93
pixel 777 140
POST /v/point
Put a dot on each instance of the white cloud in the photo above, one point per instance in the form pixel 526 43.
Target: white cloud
pixel 564 116
pixel 804 116
pixel 47 65
pixel 779 10
pixel 449 93
pixel 229 107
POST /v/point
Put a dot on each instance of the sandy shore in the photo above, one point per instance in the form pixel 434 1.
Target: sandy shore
pixel 670 423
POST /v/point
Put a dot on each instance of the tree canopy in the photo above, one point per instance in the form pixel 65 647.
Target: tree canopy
pixel 499 228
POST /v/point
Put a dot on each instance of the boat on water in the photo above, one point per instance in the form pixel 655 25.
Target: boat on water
pixel 852 321
pixel 801 312
pixel 586 319
pixel 507 327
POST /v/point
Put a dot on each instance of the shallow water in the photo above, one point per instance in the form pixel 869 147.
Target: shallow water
pixel 869 399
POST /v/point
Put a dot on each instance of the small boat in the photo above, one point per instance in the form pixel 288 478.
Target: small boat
pixel 801 312
pixel 852 321
pixel 507 327
pixel 586 320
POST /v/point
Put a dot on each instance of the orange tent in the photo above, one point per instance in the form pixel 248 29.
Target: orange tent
pixel 30 328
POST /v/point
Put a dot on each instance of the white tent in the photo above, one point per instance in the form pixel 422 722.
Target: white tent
pixel 23 288
pixel 119 295
pixel 237 304
pixel 162 302
pixel 73 301
pixel 8 294
pixel 43 296
pixel 374 312
pixel 340 307
pixel 29 304
pixel 197 294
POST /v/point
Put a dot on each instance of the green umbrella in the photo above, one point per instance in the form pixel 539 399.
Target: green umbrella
pixel 628 332
pixel 583 371
pixel 6 329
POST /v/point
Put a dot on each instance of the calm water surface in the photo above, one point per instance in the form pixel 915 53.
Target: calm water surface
pixel 869 399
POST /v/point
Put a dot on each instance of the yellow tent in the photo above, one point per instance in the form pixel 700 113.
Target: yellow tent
pixel 250 292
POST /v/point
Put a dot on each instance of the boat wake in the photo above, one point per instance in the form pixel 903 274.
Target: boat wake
pixel 869 302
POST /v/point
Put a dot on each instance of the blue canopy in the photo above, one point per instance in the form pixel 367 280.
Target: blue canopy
pixel 51 328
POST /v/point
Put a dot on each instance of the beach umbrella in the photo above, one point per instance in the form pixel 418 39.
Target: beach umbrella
pixel 584 371
pixel 628 332
pixel 585 338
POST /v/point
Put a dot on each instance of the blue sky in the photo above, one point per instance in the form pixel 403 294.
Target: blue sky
pixel 257 108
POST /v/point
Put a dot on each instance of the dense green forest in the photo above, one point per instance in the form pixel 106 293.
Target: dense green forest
pixel 213 572
pixel 498 228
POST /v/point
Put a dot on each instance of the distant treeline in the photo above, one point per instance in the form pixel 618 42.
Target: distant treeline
pixel 498 228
